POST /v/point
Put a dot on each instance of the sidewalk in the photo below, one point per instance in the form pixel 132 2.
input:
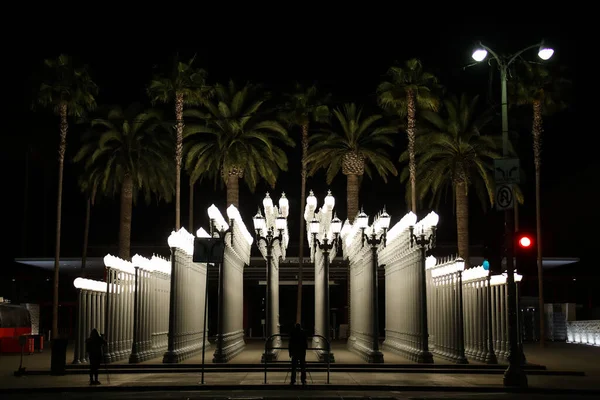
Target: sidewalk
pixel 556 357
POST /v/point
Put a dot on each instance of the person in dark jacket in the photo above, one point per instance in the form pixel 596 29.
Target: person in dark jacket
pixel 93 347
pixel 297 349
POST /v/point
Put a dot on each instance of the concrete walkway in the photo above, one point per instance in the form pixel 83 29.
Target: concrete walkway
pixel 556 357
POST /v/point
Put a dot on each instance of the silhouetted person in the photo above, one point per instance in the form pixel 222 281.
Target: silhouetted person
pixel 297 349
pixel 93 346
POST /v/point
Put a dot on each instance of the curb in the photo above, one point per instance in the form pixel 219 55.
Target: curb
pixel 309 388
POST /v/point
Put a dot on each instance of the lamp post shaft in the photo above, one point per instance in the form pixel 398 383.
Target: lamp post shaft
pixel 375 286
pixel 514 375
pixel 427 357
pixel 136 319
pixel 326 286
pixel 170 355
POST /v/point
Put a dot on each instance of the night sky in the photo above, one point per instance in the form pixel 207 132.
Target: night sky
pixel 348 61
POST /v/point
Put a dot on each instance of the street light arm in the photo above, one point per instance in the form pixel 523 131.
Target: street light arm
pixel 492 52
pixel 518 53
pixel 501 60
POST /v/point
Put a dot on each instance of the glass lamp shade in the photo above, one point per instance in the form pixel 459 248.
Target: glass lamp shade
pixel 280 222
pixel 336 225
pixel 172 240
pixel 363 220
pixel 479 54
pixel 267 202
pixel 259 222
pixel 329 201
pixel 311 201
pixel 545 52
pixel 460 264
pixel 284 205
pixel 384 220
pixel 314 226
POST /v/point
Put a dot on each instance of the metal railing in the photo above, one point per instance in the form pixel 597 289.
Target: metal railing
pixel 270 338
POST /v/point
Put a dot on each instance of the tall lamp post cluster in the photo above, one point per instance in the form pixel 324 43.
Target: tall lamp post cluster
pixel 374 238
pixel 274 220
pixel 514 375
pixel 329 232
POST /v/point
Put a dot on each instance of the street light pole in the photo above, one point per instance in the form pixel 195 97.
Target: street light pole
pixel 424 243
pixel 382 222
pixel 220 232
pixel 514 374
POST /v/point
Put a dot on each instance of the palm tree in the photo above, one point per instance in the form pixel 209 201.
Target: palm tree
pixel 185 85
pixel 128 152
pixel 70 91
pixel 89 188
pixel 232 140
pixel 356 146
pixel 453 154
pixel 409 87
pixel 536 87
pixel 303 106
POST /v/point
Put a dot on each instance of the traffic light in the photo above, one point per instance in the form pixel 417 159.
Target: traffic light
pixel 525 250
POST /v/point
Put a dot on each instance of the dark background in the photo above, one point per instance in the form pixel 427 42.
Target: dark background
pixel 346 57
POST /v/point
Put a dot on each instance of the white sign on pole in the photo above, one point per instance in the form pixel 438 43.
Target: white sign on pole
pixel 505 199
pixel 506 170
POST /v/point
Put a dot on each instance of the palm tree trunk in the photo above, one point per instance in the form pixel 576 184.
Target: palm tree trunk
pixel 178 156
pixel 86 233
pixel 410 132
pixel 62 148
pixel 462 221
pixel 352 187
pixel 125 223
pixel 191 209
pixel 537 159
pixel 233 190
pixel 303 173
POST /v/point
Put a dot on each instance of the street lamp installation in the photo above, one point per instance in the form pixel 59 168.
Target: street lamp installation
pixel 514 375
pixel 264 230
pixel 379 227
pixel 326 245
pixel 424 238
pixel 218 229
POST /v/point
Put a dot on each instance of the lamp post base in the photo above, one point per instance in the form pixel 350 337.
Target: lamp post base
pixel 170 357
pixel 515 377
pixel 375 357
pixel 424 357
pixel 322 355
pixel 269 356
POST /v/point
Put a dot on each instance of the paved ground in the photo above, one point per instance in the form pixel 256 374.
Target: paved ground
pixel 273 395
pixel 557 356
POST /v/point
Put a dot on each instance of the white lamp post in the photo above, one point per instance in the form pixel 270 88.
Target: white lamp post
pixel 381 224
pixel 266 235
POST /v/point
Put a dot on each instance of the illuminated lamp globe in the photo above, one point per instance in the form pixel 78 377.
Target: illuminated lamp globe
pixel 479 54
pixel 259 222
pixel 363 220
pixel 284 205
pixel 384 220
pixel 280 222
pixel 336 225
pixel 267 202
pixel 314 226
pixel 311 201
pixel 329 201
pixel 545 52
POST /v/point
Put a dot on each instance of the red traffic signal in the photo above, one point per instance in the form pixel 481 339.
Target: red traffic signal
pixel 525 241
